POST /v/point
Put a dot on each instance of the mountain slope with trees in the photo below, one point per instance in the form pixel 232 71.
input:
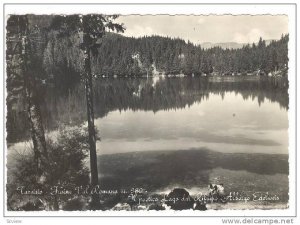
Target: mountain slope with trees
pixel 133 57
pixel 159 55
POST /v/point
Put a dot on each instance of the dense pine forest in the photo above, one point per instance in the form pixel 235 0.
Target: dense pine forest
pixel 160 55
pixel 57 57
pixel 132 57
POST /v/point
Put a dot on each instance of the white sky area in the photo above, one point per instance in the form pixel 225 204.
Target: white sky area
pixel 207 28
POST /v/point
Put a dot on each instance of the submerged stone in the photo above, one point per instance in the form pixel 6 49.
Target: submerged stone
pixel 179 199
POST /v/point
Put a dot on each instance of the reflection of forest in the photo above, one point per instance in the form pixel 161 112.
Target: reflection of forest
pixel 68 106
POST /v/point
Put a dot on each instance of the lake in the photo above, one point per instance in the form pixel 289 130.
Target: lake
pixel 166 132
pixel 188 132
pixel 224 114
pixel 227 114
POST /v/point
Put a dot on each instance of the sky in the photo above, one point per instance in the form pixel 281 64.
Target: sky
pixel 207 28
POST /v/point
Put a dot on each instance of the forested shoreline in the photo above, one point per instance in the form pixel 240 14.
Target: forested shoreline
pixel 56 58
pixel 120 56
pixel 155 55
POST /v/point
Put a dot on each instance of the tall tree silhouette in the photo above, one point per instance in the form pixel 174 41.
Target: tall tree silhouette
pixel 24 79
pixel 90 29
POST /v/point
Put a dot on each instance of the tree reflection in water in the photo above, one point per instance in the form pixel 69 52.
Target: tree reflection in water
pixel 164 94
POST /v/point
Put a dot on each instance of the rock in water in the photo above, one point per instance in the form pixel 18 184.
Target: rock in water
pixel 121 206
pixel 156 207
pixel 200 206
pixel 179 199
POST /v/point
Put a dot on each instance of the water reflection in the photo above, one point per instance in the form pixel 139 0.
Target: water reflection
pixel 231 114
pixel 163 94
pixel 227 124
pixel 176 93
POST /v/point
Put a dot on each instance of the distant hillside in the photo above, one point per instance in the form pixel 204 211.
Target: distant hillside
pixel 227 45
pixel 155 55
pixel 224 45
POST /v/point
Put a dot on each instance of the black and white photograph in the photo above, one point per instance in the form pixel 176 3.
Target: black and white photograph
pixel 136 113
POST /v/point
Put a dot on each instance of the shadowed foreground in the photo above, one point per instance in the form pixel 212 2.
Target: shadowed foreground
pixel 160 172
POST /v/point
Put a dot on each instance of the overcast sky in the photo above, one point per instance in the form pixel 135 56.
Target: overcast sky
pixel 211 28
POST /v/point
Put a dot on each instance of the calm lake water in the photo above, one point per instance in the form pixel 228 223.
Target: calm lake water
pixel 185 132
pixel 227 120
pixel 229 114
pixel 189 132
pixel 223 114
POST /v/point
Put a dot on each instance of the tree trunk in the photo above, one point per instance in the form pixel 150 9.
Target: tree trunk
pixel 33 110
pixel 91 127
pixel 37 133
